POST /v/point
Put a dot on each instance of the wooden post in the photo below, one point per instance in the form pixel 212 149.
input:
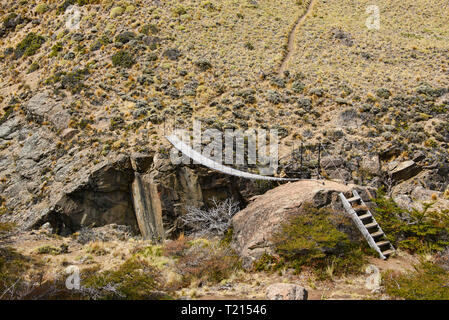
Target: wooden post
pixel 300 159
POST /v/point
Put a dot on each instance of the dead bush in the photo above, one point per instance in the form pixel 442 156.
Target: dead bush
pixel 176 248
pixel 207 261
pixel 211 222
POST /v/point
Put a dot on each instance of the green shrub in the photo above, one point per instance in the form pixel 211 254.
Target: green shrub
pixel 104 40
pixel 135 279
pixel 29 45
pixel 267 262
pixel 123 59
pixel 82 123
pixel 179 10
pixel 33 67
pixel 72 81
pixel 412 230
pixel 7 21
pixel 41 8
pixel 47 249
pixel 130 8
pixel 85 2
pixel 117 11
pixel 56 49
pixel 146 29
pixel 313 238
pixel 226 241
pixel 427 282
pixel 125 37
pixel 116 123
pixel 209 6
pixel 249 46
pixel 298 86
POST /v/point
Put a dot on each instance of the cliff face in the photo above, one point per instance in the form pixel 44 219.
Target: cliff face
pixel 48 176
pixel 149 193
pixel 149 196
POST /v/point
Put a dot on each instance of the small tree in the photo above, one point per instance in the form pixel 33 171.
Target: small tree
pixel 214 221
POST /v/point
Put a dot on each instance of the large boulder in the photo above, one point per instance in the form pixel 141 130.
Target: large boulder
pixel 405 170
pixel 427 186
pixel 418 196
pixel 286 291
pixel 371 164
pixel 254 226
pixel 42 107
pixel 8 127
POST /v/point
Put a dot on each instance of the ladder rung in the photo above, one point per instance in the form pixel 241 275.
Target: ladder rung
pixel 376 234
pixel 382 243
pixel 371 225
pixel 353 199
pixel 388 252
pixel 368 215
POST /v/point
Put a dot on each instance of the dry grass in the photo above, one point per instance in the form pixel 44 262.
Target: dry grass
pixel 409 47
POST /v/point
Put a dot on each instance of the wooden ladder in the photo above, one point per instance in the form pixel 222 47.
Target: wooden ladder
pixel 368 226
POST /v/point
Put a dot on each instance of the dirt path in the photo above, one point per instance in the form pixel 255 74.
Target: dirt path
pixel 291 38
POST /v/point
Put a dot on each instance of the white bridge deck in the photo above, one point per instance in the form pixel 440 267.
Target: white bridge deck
pixel 199 158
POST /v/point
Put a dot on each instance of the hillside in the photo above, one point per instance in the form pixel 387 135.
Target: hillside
pixel 89 89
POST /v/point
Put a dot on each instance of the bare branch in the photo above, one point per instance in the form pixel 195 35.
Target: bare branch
pixel 214 221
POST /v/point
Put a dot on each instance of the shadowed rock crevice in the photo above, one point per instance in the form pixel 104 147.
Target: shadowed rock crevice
pixel 101 198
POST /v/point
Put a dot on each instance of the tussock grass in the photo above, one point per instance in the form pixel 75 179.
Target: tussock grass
pixel 427 282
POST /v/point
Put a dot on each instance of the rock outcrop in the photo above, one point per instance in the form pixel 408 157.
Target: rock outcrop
pixel 143 191
pixel 255 225
pixel 404 170
pixel 98 197
pixel 286 291
pixel 42 108
pixel 49 174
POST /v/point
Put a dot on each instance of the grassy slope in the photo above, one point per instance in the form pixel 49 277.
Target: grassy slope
pixel 410 47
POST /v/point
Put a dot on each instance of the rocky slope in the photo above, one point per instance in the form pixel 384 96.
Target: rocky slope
pixel 84 106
